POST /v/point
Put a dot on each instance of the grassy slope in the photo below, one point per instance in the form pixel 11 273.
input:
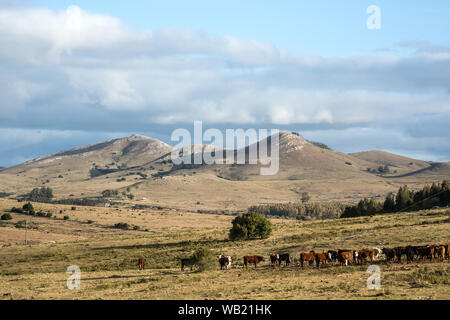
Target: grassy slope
pixel 108 258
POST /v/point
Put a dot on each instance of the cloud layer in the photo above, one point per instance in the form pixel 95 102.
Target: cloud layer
pixel 80 71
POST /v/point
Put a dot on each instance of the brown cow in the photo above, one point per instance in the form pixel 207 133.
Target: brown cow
pixel 447 253
pixel 252 259
pixel 426 252
pixel 440 252
pixel 141 263
pixel 320 257
pixel 344 257
pixel 307 256
pixel 362 255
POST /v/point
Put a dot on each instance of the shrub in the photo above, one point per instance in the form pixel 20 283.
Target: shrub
pixel 28 208
pixel 41 194
pixel 251 225
pixel 66 218
pixel 6 216
pixel 41 214
pixel 305 197
pixel 204 258
pixel 17 210
pixel 122 225
pixel 73 208
pixel 110 193
pixel 20 224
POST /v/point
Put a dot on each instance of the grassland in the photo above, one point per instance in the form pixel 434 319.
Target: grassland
pixel 108 257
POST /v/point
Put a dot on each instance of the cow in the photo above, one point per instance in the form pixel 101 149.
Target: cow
pixel 307 256
pixel 440 252
pixel 355 256
pixel 284 257
pixel 252 259
pixel 377 252
pixel 141 263
pixel 411 252
pixel 426 252
pixel 274 258
pixel 362 255
pixel 332 255
pixel 320 258
pixel 187 262
pixel 447 253
pixel 389 253
pixel 399 251
pixel 343 250
pixel 225 262
pixel 343 257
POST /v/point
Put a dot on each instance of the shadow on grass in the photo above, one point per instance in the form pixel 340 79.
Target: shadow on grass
pixel 166 245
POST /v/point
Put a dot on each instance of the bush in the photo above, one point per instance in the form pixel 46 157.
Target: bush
pixel 122 225
pixel 66 218
pixel 110 193
pixel 28 208
pixel 41 194
pixel 20 224
pixel 204 259
pixel 17 210
pixel 73 208
pixel 6 216
pixel 251 225
pixel 41 214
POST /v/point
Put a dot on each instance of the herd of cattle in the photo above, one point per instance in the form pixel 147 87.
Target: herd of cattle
pixel 343 256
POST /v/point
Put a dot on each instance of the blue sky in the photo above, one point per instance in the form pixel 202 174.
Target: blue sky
pixel 77 72
pixel 327 28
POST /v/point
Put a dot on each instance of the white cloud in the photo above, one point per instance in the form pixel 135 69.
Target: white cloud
pixel 80 70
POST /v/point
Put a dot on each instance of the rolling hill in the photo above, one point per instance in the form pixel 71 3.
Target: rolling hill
pixel 142 166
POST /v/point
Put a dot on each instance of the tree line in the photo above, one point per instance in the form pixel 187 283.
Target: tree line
pixel 301 211
pixel 436 194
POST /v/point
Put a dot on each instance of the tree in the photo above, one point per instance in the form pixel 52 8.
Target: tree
pixel 251 225
pixel 40 194
pixel 403 198
pixel 305 197
pixel 204 258
pixel 6 216
pixel 28 208
pixel 389 202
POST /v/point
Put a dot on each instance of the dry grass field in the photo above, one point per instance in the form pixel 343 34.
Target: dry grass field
pixel 108 257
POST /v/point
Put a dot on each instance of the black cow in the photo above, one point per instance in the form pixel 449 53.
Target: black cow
pixel 399 251
pixel 411 252
pixel 332 255
pixel 284 257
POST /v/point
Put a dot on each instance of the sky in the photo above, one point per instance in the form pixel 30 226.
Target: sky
pixel 79 72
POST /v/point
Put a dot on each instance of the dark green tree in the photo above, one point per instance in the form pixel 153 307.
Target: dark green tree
pixel 403 198
pixel 250 225
pixel 389 203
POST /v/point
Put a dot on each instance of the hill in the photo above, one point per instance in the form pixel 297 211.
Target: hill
pixel 142 167
pixel 91 168
pixel 400 164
